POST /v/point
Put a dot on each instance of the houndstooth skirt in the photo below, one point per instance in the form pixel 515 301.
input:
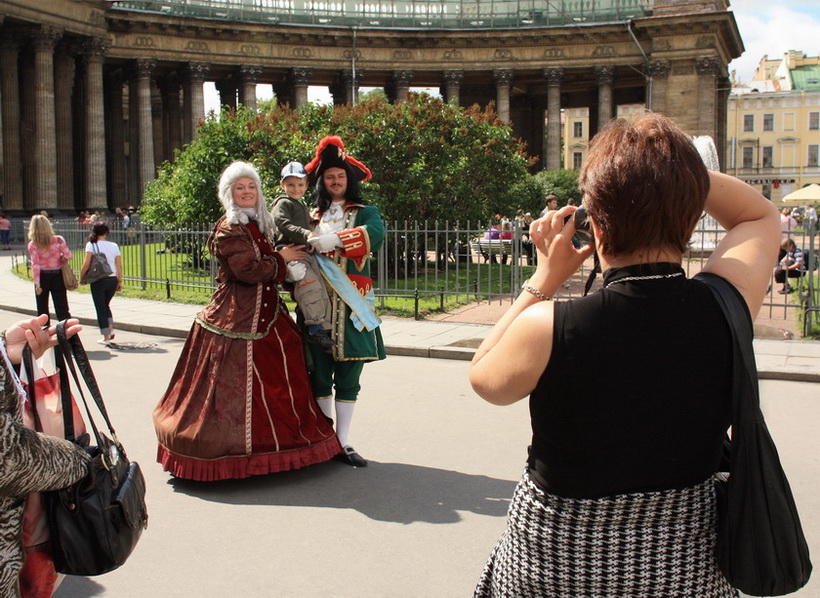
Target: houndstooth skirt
pixel 630 545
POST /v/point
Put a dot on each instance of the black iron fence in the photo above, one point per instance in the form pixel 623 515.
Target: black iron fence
pixel 429 265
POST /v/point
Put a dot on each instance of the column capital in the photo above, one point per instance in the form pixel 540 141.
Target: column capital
pixel 346 76
pixel 707 65
pixel 300 75
pixel 554 75
pixel 46 38
pixel 454 77
pixel 143 67
pixel 402 77
pixel 657 68
pixel 605 74
pixel 195 72
pixel 503 76
pixel 95 47
pixel 249 74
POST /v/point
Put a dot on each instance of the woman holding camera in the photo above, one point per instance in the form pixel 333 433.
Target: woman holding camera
pixel 630 387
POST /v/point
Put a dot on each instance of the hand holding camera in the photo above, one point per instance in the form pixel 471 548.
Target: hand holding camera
pixel 558 259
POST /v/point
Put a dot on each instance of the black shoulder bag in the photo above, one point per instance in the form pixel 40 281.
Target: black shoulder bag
pixel 96 523
pixel 761 548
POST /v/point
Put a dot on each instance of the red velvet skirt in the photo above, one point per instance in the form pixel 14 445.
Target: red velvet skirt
pixel 236 408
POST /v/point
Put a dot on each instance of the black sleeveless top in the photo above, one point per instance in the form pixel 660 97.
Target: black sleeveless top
pixel 637 393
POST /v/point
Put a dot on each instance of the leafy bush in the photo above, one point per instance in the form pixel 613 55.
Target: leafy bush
pixel 430 160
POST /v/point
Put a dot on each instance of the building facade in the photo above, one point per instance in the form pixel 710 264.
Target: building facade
pixel 774 126
pixel 97 93
pixel 577 134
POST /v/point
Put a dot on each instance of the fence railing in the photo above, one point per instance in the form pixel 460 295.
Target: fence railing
pixel 431 265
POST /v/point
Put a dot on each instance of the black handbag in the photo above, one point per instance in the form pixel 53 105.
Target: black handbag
pixel 761 548
pixel 96 523
pixel 99 267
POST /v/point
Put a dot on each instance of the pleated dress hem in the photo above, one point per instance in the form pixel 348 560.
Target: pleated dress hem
pixel 244 466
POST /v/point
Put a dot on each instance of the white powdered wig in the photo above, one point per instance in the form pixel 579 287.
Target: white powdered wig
pixel 234 214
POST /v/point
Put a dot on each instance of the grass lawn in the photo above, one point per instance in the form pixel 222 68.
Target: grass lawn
pixel 159 275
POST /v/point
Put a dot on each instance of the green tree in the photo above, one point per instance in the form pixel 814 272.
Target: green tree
pixel 430 160
pixel 561 183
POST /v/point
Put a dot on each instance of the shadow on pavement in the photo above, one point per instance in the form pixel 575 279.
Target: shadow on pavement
pixel 79 587
pixel 397 492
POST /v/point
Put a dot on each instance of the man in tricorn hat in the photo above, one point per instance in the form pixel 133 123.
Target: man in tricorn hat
pixel 347 232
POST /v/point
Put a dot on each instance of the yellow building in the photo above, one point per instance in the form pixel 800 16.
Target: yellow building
pixel 576 130
pixel 774 126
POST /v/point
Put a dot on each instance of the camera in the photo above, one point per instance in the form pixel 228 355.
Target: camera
pixel 583 227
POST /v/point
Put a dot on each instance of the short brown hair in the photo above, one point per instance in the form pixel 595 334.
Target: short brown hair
pixel 644 184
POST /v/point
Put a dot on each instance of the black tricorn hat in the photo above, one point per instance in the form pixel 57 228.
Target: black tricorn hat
pixel 330 153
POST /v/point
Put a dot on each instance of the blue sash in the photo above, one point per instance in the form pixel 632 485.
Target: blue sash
pixel 362 309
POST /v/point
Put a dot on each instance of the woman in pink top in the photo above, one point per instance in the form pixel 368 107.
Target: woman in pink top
pixel 47 251
pixel 5 231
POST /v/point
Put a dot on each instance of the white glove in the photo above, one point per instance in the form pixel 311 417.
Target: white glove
pixel 296 271
pixel 325 243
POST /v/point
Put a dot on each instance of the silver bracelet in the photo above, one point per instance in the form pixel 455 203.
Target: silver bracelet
pixel 531 289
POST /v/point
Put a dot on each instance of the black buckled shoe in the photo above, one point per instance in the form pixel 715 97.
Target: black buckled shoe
pixel 349 456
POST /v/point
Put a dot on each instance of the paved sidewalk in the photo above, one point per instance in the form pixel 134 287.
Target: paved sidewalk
pixel 782 360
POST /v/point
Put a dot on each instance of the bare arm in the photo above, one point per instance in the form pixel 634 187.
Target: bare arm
pixel 118 268
pixel 746 255
pixel 508 364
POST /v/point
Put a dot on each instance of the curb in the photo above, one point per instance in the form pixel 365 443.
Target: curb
pixel 432 352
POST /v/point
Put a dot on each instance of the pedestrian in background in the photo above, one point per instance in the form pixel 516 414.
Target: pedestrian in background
pixel 47 252
pixel 5 231
pixel 630 388
pixel 103 290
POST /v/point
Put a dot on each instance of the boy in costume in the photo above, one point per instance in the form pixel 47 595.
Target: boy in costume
pixel 292 220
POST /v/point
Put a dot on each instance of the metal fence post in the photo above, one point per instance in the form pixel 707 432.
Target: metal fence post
pixel 143 261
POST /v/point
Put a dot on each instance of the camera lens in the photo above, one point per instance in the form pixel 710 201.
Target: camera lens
pixel 583 227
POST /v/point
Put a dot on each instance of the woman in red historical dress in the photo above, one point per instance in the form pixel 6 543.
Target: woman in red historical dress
pixel 239 402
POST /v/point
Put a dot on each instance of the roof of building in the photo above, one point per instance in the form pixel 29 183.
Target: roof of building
pixel 806 77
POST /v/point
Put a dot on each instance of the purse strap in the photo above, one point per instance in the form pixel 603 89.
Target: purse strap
pixel 65 392
pixel 74 351
pixel 745 390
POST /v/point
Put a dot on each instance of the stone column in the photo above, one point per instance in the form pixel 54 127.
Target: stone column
pixel 145 156
pixel 349 85
pixel 299 78
pixel 65 70
pixel 96 190
pixel 115 139
pixel 193 100
pixel 10 94
pixel 227 93
pixel 248 77
pixel 45 166
pixel 169 87
pixel 503 81
pixel 605 76
pixel 452 86
pixel 401 84
pixel 708 68
pixel 552 158
pixel 657 73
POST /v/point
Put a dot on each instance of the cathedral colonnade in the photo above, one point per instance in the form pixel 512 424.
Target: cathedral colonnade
pixel 94 98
